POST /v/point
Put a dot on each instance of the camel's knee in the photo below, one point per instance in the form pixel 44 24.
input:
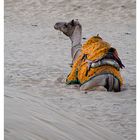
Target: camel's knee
pixel 83 87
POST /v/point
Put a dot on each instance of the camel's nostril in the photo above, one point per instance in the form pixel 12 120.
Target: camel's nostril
pixel 55 26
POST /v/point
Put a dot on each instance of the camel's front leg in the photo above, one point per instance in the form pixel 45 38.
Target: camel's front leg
pixel 106 80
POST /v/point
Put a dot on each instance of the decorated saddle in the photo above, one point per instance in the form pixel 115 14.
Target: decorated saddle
pixel 97 57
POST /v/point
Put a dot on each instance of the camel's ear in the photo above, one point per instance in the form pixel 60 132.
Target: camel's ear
pixel 72 22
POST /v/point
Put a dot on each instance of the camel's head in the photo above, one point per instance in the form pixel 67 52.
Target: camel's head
pixel 67 27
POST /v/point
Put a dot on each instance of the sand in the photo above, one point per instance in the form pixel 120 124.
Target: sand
pixel 38 103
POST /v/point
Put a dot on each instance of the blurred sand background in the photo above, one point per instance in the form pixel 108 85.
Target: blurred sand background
pixel 38 104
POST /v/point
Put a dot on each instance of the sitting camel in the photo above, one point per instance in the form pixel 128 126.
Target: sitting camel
pixel 95 63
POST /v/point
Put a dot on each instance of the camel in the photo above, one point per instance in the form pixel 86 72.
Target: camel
pixel 73 30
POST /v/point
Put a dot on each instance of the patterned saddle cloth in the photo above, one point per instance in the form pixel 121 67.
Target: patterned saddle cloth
pixel 97 57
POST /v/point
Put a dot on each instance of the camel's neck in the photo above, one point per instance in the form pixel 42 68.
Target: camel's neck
pixel 76 36
pixel 76 42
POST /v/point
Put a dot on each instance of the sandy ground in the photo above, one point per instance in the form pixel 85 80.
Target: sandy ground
pixel 38 104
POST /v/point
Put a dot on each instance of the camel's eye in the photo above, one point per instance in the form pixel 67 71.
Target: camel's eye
pixel 65 25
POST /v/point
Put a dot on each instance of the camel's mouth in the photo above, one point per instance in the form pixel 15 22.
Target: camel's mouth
pixel 56 27
pixel 59 25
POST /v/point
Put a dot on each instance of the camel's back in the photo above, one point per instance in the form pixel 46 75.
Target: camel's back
pixel 95 48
